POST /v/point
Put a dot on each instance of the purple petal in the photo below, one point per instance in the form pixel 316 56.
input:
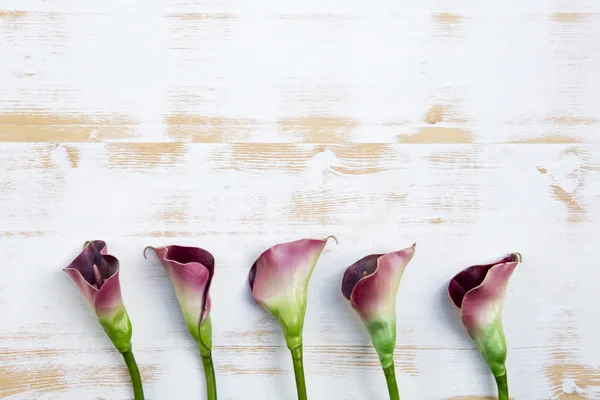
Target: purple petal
pixel 471 277
pixel 482 306
pixel 284 268
pixel 360 269
pixel 191 270
pixel 108 299
pixel 87 290
pixel 374 296
pixel 94 253
pixel 81 269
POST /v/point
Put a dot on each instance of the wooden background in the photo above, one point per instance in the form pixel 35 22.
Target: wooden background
pixel 469 127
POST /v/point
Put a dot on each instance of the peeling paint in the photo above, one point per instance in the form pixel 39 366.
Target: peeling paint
pixel 209 129
pixel 363 158
pixel 13 14
pixel 569 379
pixel 447 18
pixel 549 139
pixel 43 126
pixel 467 158
pixel 572 121
pixel 448 23
pixel 571 17
pixel 576 211
pixel 429 135
pixel 73 156
pixel 144 155
pixel 338 360
pixel 319 128
pixel 15 380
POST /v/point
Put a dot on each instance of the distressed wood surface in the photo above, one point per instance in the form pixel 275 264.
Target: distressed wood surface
pixel 471 128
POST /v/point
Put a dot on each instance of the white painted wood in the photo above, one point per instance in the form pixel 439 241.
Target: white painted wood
pixel 469 128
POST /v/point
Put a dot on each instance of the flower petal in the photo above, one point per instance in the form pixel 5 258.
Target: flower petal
pixel 371 285
pixel 472 277
pixel 482 305
pixel 481 312
pixel 111 313
pixel 191 270
pixel 93 266
pixel 87 290
pixel 364 267
pixel 374 295
pixel 478 292
pixel 108 299
pixel 81 269
pixel 284 268
pixel 279 282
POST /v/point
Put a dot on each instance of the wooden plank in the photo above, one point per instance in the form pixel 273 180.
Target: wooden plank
pixel 461 203
pixel 470 130
pixel 311 73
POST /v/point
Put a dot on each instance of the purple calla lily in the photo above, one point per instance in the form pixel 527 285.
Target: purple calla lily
pixel 478 293
pixel 279 283
pixel 371 285
pixel 96 274
pixel 191 270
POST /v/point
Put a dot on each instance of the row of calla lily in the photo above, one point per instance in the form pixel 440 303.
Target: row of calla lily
pixel 279 283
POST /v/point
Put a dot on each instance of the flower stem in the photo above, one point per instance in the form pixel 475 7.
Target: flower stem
pixel 390 377
pixel 299 372
pixel 211 383
pixel 502 383
pixel 136 379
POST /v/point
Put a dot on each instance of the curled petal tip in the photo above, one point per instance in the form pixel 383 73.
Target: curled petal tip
pixel 332 237
pixel 519 257
pixel 146 248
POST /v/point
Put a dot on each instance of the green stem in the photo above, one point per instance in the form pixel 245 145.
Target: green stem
pixel 502 383
pixel 299 372
pixel 136 379
pixel 211 383
pixel 390 377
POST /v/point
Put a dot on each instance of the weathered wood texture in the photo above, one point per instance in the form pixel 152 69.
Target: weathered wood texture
pixel 469 127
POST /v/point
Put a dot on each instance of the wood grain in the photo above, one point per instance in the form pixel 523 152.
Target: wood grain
pixel 470 130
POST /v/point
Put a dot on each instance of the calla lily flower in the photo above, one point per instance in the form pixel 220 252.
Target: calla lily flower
pixel 191 270
pixel 279 283
pixel 478 293
pixel 371 285
pixel 96 274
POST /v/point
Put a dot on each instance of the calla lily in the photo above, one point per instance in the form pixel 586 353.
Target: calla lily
pixel 279 283
pixel 478 292
pixel 191 270
pixel 371 285
pixel 96 274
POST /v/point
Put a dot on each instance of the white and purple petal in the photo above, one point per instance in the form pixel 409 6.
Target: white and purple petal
pixel 96 274
pixel 478 292
pixel 371 283
pixel 191 270
pixel 279 282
